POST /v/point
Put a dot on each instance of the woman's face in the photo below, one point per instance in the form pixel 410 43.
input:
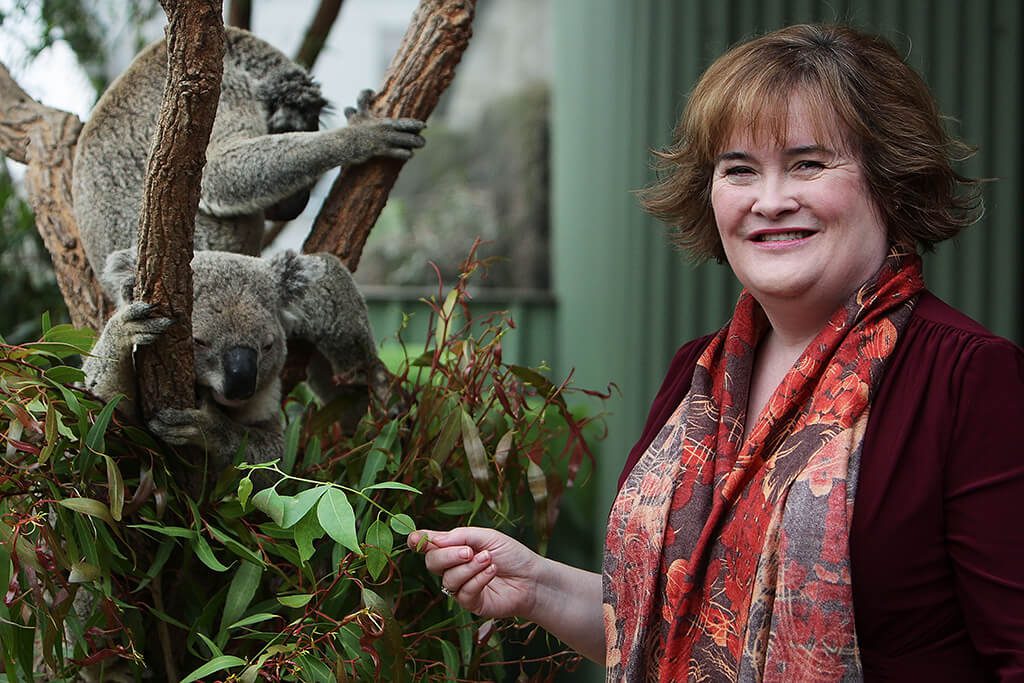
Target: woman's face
pixel 796 220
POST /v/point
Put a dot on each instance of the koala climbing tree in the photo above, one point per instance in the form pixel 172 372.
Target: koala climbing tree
pixel 286 108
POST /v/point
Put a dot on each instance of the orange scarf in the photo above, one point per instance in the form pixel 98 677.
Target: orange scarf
pixel 729 561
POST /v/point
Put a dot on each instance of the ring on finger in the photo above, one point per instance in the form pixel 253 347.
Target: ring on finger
pixel 447 591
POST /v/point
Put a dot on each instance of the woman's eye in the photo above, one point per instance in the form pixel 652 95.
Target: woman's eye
pixel 809 165
pixel 738 171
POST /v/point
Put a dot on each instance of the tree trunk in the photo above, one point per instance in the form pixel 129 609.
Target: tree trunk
pixel 418 74
pixel 316 35
pixel 44 138
pixel 195 65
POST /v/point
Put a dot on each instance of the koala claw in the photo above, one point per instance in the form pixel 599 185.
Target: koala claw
pixel 140 323
pixel 360 112
pixel 179 427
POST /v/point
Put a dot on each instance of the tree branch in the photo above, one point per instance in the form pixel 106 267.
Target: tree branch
pixel 195 65
pixel 317 32
pixel 418 74
pixel 44 138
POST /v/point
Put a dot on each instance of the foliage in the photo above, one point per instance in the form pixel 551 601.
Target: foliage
pixel 292 571
pixel 28 281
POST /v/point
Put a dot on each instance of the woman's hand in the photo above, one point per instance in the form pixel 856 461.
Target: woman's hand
pixel 496 576
pixel 487 572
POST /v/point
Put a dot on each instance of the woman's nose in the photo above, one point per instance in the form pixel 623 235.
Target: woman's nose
pixel 774 199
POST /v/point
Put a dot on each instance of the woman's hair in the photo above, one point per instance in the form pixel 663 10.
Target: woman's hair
pixel 888 117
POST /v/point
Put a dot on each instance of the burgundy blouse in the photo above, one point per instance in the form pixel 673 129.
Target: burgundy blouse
pixel 937 538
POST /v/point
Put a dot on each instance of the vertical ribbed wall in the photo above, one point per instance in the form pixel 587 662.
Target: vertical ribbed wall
pixel 622 69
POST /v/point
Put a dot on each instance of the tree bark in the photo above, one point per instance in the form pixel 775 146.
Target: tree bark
pixel 240 14
pixel 418 74
pixel 44 138
pixel 316 35
pixel 195 65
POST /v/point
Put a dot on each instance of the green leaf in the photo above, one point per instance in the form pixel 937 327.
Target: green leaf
pixel 115 488
pixel 445 319
pixel 455 507
pixel 312 670
pixel 338 520
pixel 205 553
pixel 94 440
pixel 379 541
pixel 295 600
pixel 269 501
pixel 396 485
pixel 173 531
pixel 240 593
pixel 253 619
pixel 236 547
pixel 79 339
pixel 306 531
pixel 291 445
pixel 88 506
pixel 475 452
pixel 213 666
pixel 83 572
pixel 244 491
pixel 296 507
pixel 65 374
pixel 403 524
pixel 451 660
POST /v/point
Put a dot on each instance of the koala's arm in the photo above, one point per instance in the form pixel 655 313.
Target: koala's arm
pixel 219 435
pixel 109 369
pixel 248 174
pixel 325 307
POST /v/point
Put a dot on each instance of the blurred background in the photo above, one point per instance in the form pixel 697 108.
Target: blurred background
pixel 536 148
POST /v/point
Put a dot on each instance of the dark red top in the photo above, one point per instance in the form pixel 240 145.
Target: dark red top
pixel 937 542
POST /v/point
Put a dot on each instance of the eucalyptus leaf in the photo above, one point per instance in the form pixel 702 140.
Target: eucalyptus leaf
pixel 240 593
pixel 205 553
pixel 88 506
pixel 115 488
pixel 270 502
pixel 244 491
pixel 295 600
pixel 296 507
pixel 338 519
pixel 395 485
pixel 213 666
pixel 403 524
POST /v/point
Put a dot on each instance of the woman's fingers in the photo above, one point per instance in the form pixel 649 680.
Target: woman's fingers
pixel 456 577
pixel 442 559
pixel 470 594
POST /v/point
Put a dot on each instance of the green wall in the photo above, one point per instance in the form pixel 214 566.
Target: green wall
pixel 626 300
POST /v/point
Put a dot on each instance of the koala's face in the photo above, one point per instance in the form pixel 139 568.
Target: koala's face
pixel 240 344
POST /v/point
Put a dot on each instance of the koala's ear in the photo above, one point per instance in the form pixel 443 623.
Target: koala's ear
pixel 119 274
pixel 293 274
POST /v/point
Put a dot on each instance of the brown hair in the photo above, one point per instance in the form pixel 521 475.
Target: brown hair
pixel 891 123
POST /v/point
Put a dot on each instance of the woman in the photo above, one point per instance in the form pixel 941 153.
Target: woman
pixel 826 489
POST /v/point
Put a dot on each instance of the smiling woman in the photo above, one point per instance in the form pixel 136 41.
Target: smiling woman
pixel 826 488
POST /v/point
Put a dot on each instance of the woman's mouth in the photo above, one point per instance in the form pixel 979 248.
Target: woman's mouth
pixel 788 236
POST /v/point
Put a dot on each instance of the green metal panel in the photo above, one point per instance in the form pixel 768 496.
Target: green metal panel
pixel 621 73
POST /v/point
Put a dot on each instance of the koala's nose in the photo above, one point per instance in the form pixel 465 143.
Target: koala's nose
pixel 240 370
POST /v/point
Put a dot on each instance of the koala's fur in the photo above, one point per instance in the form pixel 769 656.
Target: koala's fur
pixel 264 155
pixel 244 310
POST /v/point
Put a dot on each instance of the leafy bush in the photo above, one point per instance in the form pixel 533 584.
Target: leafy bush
pixel 293 571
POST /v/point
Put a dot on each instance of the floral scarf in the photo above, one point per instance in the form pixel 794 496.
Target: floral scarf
pixel 729 561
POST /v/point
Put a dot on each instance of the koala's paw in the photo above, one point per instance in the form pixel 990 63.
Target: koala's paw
pixel 361 112
pixel 181 426
pixel 139 323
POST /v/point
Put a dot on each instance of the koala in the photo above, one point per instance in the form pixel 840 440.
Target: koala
pixel 264 155
pixel 245 309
